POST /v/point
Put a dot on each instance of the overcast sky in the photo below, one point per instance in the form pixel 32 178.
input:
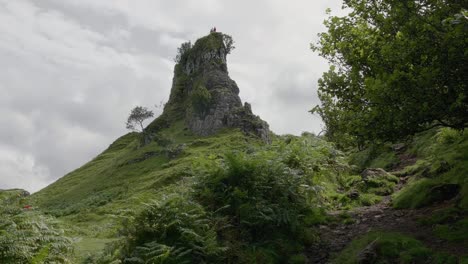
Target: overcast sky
pixel 73 69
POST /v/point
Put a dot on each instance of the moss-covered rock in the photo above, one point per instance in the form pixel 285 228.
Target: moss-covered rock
pixel 204 96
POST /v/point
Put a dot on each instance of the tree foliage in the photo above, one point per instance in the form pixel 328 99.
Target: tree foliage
pixel 215 40
pixel 182 51
pixel 228 43
pixel 137 116
pixel 398 68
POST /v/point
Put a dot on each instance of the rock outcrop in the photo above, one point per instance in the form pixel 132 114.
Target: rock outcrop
pixel 204 95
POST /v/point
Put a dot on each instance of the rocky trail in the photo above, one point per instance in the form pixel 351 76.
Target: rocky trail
pixel 381 217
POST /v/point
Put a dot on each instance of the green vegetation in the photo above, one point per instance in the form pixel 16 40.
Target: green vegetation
pixel 173 230
pixel 375 156
pixel 224 197
pixel 211 42
pixel 443 157
pixel 449 223
pixel 453 231
pixel 27 236
pixel 264 202
pixel 137 116
pixel 397 69
pixel 256 203
pixel 93 201
pixel 201 99
pixel 390 248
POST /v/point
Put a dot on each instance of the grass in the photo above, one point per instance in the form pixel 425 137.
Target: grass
pixel 442 216
pixel 87 246
pixel 453 232
pixel 376 156
pixel 391 248
pixel 443 158
pixel 93 201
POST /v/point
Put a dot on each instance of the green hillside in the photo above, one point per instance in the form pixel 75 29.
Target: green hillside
pixel 92 201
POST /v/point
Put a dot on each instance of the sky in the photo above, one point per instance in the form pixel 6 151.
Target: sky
pixel 73 69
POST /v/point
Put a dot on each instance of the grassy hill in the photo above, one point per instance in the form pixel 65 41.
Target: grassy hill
pixel 97 206
pixel 92 201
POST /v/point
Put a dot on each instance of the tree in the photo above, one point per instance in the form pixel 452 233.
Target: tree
pixel 182 51
pixel 228 43
pixel 137 116
pixel 398 68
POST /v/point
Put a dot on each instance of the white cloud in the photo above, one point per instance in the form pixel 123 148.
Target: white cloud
pixel 20 170
pixel 50 35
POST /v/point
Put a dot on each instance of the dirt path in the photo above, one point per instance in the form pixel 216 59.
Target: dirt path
pixel 381 217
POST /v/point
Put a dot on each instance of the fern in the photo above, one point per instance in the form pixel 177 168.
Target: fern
pixel 30 237
pixel 173 230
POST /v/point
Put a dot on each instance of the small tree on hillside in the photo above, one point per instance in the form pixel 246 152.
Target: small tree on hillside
pixel 137 116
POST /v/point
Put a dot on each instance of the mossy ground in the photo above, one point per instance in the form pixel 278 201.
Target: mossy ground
pixel 393 248
pixel 431 159
pixel 442 159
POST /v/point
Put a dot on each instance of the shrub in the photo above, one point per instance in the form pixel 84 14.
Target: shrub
pixel 182 52
pixel 264 201
pixel 172 230
pixel 447 135
pixel 30 237
pixel 201 99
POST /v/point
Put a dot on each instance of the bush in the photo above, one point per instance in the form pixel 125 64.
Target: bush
pixel 241 208
pixel 182 52
pixel 201 99
pixel 258 193
pixel 447 135
pixel 172 230
pixel 26 236
pixel 265 203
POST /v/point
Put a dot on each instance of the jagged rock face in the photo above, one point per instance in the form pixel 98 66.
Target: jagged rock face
pixel 194 64
pixel 206 97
